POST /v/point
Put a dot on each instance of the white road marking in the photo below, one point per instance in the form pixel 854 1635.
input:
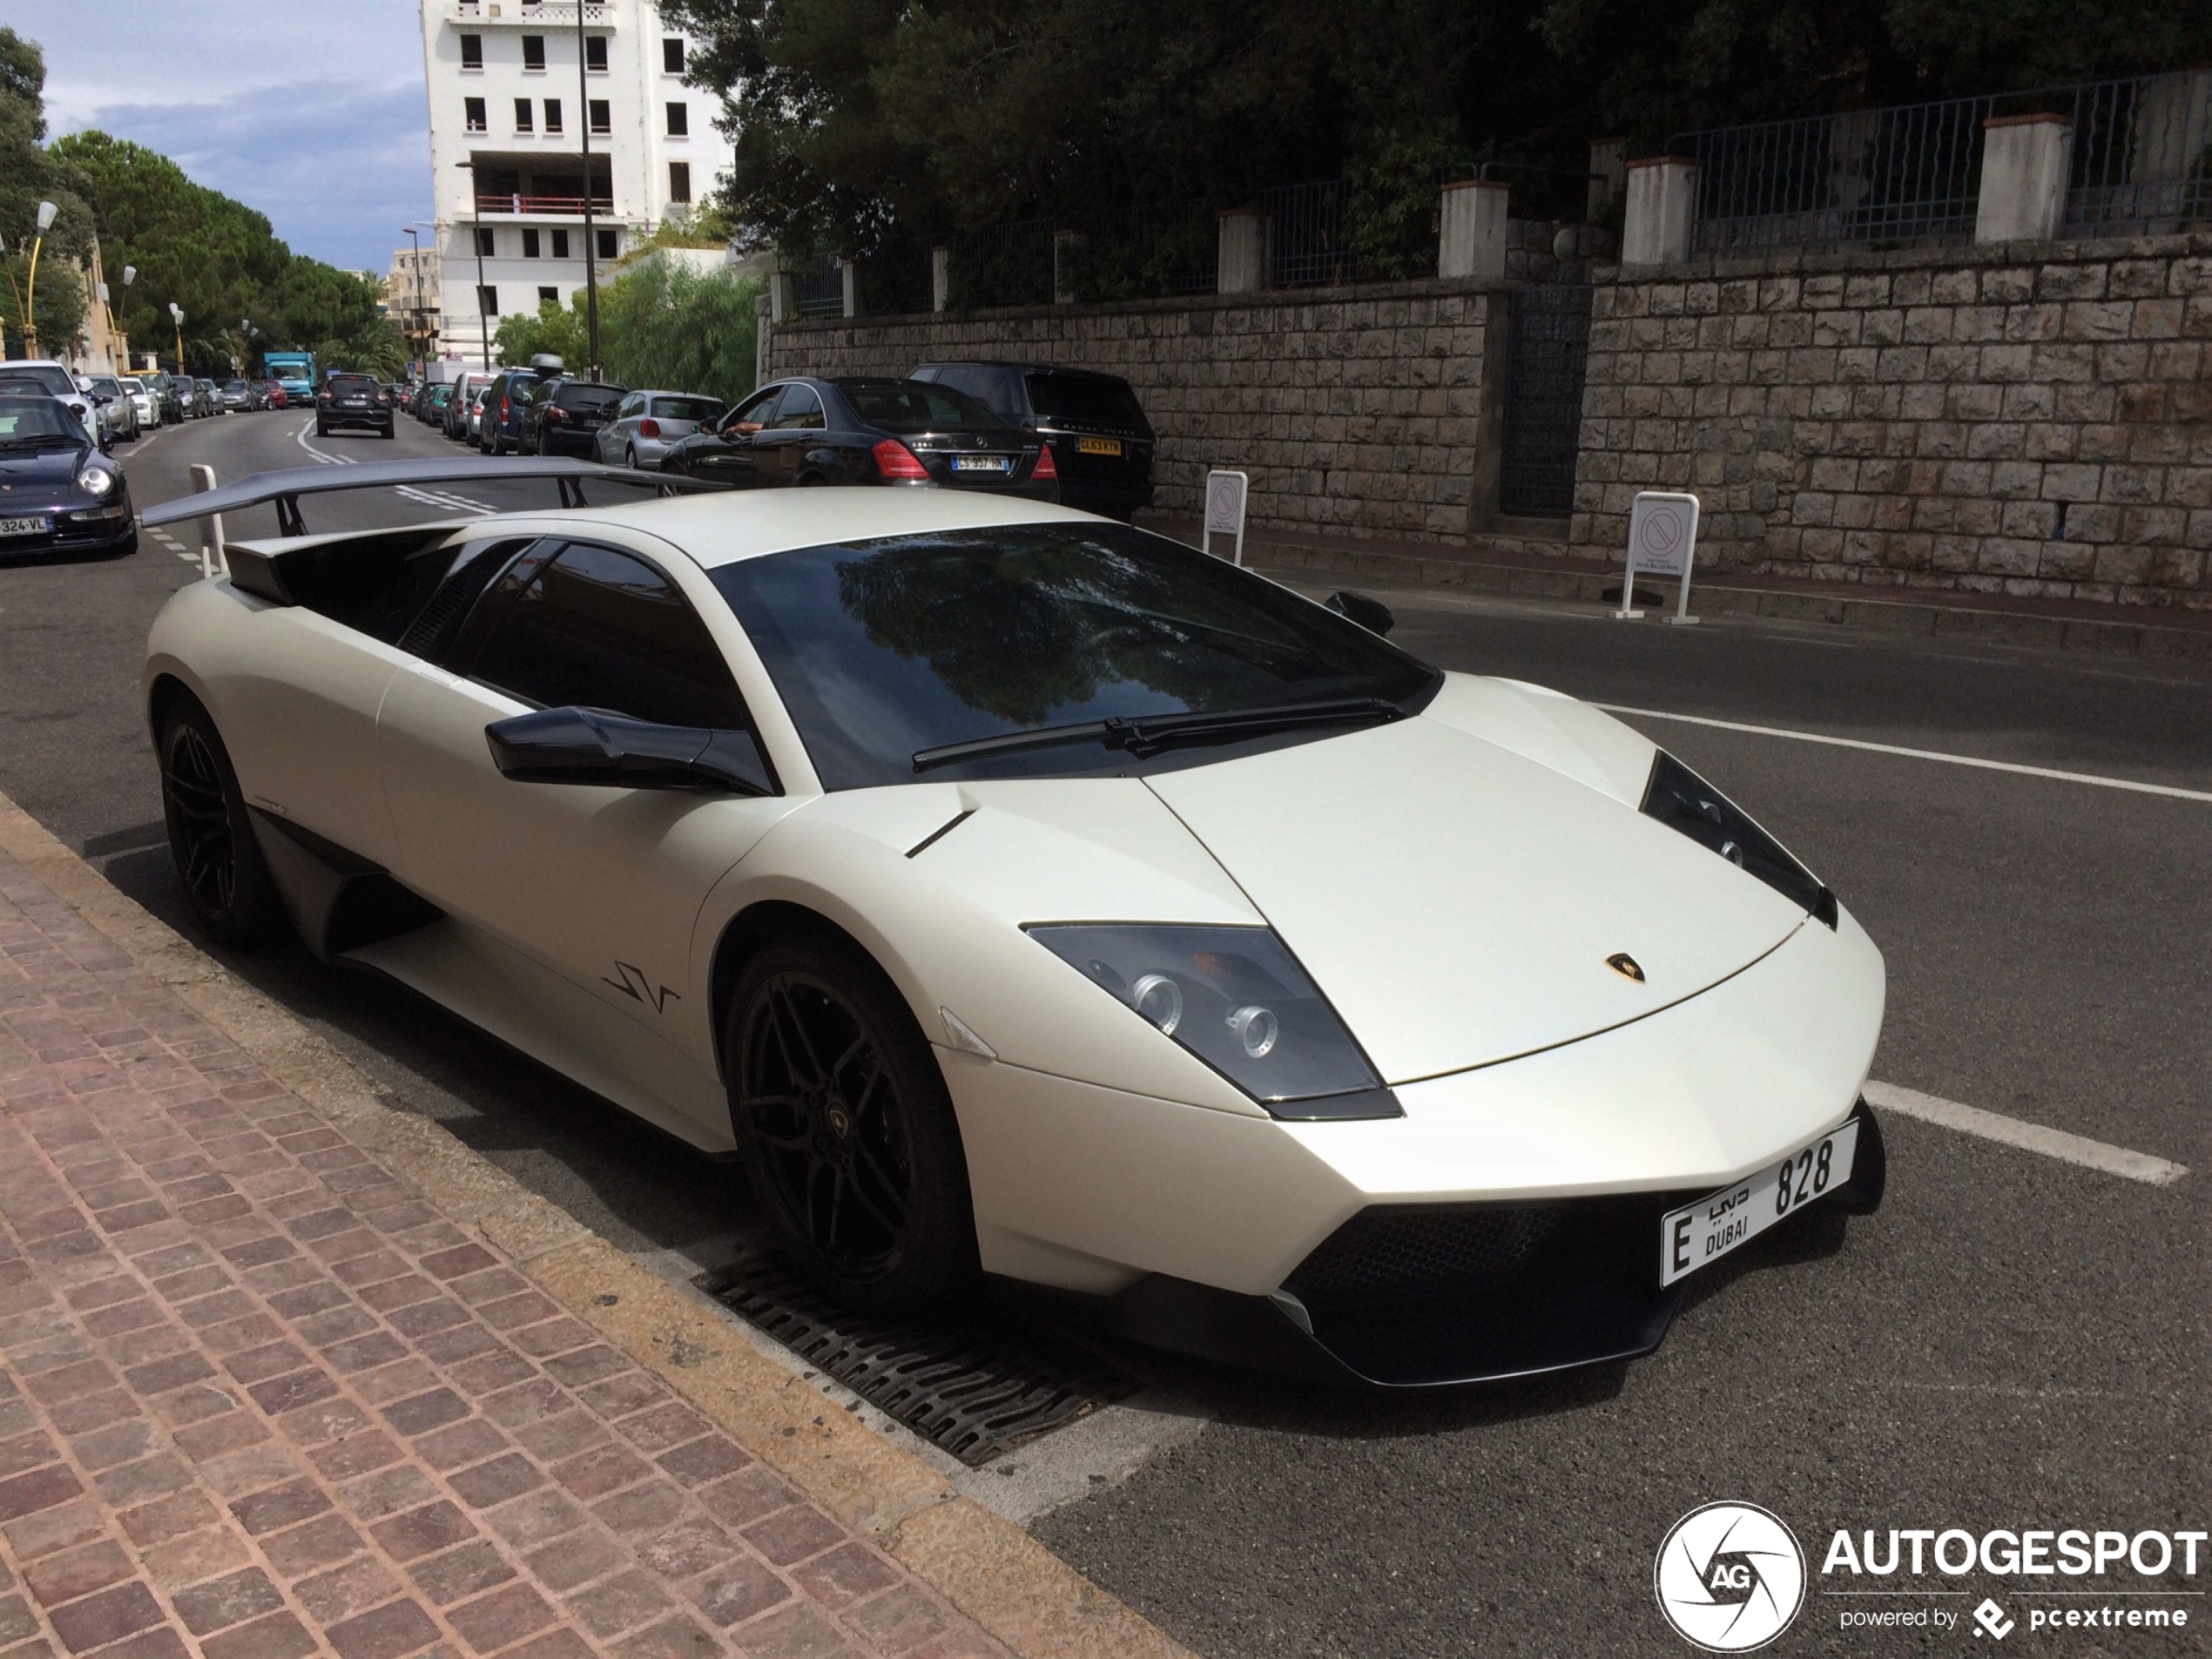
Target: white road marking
pixel 2169 790
pixel 2028 1137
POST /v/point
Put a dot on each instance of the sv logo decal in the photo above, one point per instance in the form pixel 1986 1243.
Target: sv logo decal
pixel 634 985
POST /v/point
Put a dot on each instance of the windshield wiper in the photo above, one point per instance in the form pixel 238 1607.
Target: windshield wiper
pixel 1147 735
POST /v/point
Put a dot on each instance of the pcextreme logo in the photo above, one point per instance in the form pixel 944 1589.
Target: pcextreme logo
pixel 1730 1577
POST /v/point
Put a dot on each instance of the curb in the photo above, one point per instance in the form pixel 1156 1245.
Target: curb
pixel 1716 597
pixel 986 1566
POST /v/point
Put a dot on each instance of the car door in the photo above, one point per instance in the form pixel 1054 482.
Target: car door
pixel 613 438
pixel 726 454
pixel 786 439
pixel 600 886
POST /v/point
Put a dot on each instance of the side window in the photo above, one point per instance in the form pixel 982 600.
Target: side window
pixel 603 630
pixel 1001 393
pixel 801 409
pixel 759 409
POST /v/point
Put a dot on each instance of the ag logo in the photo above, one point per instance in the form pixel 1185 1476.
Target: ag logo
pixel 1730 1577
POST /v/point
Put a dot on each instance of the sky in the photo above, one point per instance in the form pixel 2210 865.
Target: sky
pixel 310 111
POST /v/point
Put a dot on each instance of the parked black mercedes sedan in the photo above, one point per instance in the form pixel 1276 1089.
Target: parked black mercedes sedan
pixel 866 432
pixel 59 494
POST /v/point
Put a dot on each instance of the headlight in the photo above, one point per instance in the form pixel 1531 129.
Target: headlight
pixel 1237 999
pixel 95 480
pixel 1681 799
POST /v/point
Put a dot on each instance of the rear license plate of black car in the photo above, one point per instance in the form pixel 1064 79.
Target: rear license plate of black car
pixel 982 464
pixel 26 526
pixel 1099 447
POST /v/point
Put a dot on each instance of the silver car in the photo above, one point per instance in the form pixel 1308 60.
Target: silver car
pixel 119 413
pixel 646 423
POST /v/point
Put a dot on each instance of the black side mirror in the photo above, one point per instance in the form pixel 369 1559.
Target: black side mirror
pixel 595 746
pixel 1371 614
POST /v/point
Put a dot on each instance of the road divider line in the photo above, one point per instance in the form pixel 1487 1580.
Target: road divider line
pixel 2028 1137
pixel 2170 791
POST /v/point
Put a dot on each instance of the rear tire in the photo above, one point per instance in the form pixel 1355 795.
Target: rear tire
pixel 629 456
pixel 211 835
pixel 845 1129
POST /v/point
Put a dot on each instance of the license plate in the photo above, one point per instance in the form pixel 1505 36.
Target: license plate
pixel 1098 447
pixel 1705 1231
pixel 26 526
pixel 982 464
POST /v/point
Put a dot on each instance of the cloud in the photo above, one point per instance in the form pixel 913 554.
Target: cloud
pixel 251 99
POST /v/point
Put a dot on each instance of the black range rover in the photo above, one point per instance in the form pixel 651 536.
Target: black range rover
pixel 1100 442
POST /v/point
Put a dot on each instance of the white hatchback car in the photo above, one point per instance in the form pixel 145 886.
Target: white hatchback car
pixel 1019 892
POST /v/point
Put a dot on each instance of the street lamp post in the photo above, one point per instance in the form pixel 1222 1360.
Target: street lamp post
pixel 477 236
pixel 46 210
pixel 590 234
pixel 176 318
pixel 414 312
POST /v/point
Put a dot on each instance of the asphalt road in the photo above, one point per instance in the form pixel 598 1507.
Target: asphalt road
pixel 2013 1342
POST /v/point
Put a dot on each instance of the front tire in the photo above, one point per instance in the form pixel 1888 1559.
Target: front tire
pixel 845 1129
pixel 211 837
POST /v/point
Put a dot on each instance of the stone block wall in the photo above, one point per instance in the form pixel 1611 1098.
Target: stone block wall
pixel 2033 420
pixel 1355 410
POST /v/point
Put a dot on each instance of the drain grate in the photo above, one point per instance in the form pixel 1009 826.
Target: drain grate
pixel 978 1388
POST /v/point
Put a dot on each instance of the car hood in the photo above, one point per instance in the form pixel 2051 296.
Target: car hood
pixel 39 477
pixel 1457 901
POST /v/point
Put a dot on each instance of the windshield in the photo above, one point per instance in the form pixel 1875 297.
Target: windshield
pixel 590 397
pixel 917 406
pixel 686 409
pixel 104 383
pixel 26 419
pixel 1093 400
pixel 884 649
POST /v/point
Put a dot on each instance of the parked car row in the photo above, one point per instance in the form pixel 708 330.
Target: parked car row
pixel 1069 434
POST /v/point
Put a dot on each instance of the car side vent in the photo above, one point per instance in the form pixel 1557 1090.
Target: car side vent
pixel 1392 1253
pixel 433 629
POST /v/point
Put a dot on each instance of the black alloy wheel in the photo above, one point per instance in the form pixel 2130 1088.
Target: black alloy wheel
pixel 210 836
pixel 845 1129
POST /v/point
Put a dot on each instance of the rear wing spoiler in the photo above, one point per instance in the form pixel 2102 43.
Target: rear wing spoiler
pixel 285 488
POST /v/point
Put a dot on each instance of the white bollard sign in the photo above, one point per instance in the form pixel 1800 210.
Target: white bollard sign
pixel 1662 541
pixel 1225 493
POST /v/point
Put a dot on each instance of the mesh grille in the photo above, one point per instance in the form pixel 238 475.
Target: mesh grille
pixel 1386 1254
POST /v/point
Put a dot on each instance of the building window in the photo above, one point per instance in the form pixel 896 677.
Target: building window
pixel 484 244
pixel 560 244
pixel 552 115
pixel 610 244
pixel 679 181
pixel 679 120
pixel 529 244
pixel 672 56
pixel 548 296
pixel 595 53
pixel 487 300
pixel 472 52
pixel 473 109
pixel 522 115
pixel 602 114
pixel 533 51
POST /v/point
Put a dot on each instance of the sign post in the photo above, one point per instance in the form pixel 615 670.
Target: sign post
pixel 1225 493
pixel 1662 541
pixel 210 541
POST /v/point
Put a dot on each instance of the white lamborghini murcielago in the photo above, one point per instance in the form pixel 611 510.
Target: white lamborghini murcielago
pixel 1016 892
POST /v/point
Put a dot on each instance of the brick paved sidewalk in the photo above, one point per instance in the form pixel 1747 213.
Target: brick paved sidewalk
pixel 258 1398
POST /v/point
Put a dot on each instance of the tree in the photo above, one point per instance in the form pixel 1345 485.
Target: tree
pixel 860 123
pixel 665 325
pixel 29 175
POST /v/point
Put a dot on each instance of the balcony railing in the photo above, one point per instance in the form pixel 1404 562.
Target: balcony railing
pixel 559 206
pixel 535 13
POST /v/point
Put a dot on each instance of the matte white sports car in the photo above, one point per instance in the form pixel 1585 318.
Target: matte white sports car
pixel 1018 892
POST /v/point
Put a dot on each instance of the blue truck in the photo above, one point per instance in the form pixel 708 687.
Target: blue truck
pixel 293 370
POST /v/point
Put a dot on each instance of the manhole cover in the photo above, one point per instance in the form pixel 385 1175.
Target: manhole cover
pixel 976 1388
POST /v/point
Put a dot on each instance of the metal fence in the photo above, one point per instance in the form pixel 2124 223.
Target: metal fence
pixel 1000 265
pixel 2141 152
pixel 818 290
